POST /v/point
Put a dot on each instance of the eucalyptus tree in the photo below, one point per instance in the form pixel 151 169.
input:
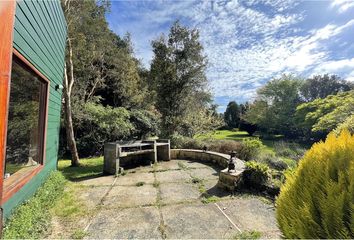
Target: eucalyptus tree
pixel 178 76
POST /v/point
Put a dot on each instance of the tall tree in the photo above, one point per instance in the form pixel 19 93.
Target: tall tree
pixel 322 86
pixel 275 107
pixel 232 115
pixel 178 75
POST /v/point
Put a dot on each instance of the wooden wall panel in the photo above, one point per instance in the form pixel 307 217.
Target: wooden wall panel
pixel 7 13
pixel 40 36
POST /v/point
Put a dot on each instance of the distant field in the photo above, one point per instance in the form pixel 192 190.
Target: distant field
pixel 237 136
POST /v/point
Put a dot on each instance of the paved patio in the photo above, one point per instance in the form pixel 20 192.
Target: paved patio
pixel 166 201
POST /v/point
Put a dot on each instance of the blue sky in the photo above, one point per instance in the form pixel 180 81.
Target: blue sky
pixel 249 42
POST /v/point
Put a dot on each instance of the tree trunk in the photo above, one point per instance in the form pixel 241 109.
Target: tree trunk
pixel 70 131
pixel 69 82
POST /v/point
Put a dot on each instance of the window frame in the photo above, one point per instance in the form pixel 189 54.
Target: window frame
pixel 15 182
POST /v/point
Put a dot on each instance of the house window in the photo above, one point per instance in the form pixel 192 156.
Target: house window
pixel 26 120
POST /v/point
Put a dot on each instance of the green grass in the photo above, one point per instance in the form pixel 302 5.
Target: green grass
pixel 238 136
pixel 90 167
pixel 31 220
pixel 139 184
pixel 248 235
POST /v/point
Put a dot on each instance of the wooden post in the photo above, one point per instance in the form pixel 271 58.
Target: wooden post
pixel 7 16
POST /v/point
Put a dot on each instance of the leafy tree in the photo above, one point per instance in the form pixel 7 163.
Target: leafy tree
pixel 324 115
pixel 323 86
pixel 275 106
pixel 317 200
pixel 178 75
pixel 232 115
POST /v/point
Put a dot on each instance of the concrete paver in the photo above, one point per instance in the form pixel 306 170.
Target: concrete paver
pixel 168 205
pixel 132 223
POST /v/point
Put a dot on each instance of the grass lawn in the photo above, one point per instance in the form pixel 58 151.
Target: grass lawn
pixel 238 136
pixel 90 167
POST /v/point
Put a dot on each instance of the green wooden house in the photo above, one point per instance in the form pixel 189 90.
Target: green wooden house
pixel 32 53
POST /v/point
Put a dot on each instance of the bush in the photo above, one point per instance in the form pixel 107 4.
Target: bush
pixel 248 127
pixel 224 146
pixel 272 161
pixel 179 141
pixel 317 200
pixel 256 174
pixel 250 149
pixel 32 219
pixel 289 150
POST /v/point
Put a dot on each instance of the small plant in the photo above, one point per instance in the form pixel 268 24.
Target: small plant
pixel 248 235
pixel 256 174
pixel 209 199
pixel 78 234
pixel 139 184
pixel 156 184
pixel 250 149
pixel 196 180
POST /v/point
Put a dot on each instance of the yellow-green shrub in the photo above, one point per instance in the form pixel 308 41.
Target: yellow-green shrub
pixel 317 200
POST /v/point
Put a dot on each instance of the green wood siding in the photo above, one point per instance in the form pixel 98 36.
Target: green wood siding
pixel 40 36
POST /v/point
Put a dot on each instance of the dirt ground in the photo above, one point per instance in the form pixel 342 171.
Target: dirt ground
pixel 174 199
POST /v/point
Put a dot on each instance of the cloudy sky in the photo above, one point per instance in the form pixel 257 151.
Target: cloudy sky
pixel 249 42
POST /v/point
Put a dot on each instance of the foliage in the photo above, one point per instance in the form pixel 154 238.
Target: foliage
pixel 322 86
pixel 248 127
pixel 198 121
pixel 146 123
pixel 32 219
pixel 256 174
pixel 324 115
pixel 275 107
pixel 100 124
pixel 248 235
pixel 289 150
pixel 232 115
pixel 224 146
pixel 178 76
pixel 317 201
pixel 272 161
pixel 250 149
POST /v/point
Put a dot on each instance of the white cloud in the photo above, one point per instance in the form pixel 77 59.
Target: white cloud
pixel 342 5
pixel 246 46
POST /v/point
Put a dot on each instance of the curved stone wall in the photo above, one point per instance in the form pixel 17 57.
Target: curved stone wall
pixel 207 156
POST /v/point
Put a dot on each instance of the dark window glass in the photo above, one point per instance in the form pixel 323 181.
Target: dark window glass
pixel 25 128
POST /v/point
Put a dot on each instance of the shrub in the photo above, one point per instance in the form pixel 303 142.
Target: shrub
pixel 256 174
pixel 272 161
pixel 224 146
pixel 250 149
pixel 32 219
pixel 289 150
pixel 179 141
pixel 317 200
pixel 248 127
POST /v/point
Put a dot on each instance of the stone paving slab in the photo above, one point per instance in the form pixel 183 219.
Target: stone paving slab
pixel 98 181
pixel 167 165
pixel 202 221
pixel 213 190
pixel 172 176
pixel 134 178
pixel 251 213
pixel 178 192
pixel 132 223
pixel 205 173
pixel 92 196
pixel 130 196
pixel 193 164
